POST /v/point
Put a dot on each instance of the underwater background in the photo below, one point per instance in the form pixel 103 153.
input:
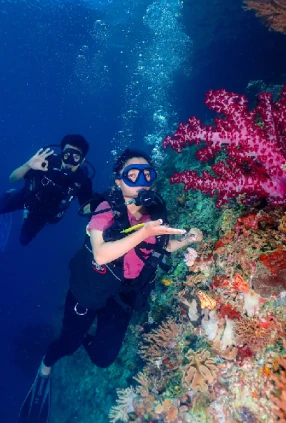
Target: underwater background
pixel 125 73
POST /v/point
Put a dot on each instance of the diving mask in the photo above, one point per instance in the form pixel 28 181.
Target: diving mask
pixel 71 156
pixel 138 175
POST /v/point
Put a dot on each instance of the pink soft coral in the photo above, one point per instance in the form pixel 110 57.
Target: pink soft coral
pixel 255 142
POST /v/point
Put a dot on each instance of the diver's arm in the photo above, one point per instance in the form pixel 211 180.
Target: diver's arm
pixel 37 162
pixel 105 252
pixel 175 245
pixel 19 173
pixel 194 235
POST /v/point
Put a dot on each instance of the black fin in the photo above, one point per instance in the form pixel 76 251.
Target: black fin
pixel 36 406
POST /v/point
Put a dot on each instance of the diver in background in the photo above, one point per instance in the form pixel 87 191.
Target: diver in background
pixel 51 183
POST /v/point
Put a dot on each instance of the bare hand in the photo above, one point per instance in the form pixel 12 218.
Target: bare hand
pixel 39 160
pixel 194 235
pixel 156 228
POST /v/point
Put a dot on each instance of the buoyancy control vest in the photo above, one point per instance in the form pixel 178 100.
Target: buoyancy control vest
pixel 50 193
pixel 92 284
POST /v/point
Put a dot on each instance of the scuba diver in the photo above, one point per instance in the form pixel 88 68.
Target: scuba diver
pixel 51 182
pixel 112 275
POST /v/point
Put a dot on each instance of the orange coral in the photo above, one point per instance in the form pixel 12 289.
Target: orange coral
pixel 201 370
pixel 239 284
pixel 167 409
pixel 206 301
pixel 272 12
pixel 172 414
pixel 282 226
pixel 227 239
pixel 249 331
pixel 167 405
pixel 275 261
pixel 279 397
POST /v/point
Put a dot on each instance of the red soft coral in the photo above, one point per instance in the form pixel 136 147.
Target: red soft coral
pixel 226 310
pixel 275 261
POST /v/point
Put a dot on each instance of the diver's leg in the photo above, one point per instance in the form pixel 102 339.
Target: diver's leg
pixel 31 226
pixel 112 324
pixel 76 323
pixel 12 200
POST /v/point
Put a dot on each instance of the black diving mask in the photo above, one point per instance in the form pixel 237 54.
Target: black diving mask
pixel 71 156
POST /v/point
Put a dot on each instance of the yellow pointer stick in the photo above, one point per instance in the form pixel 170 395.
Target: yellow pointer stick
pixel 125 231
pixel 132 228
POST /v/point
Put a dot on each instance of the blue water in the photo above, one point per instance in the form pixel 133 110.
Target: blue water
pixel 120 73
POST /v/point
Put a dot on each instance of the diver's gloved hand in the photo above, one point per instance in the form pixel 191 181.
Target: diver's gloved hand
pixel 38 161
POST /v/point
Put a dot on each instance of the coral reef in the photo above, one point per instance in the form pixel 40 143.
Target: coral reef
pixel 217 354
pixel 272 13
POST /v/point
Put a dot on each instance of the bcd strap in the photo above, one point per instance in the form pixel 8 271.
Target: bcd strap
pixel 156 258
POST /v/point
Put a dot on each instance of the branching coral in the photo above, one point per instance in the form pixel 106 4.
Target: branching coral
pixel 143 388
pixel 200 372
pixel 124 405
pixel 160 342
pixel 272 12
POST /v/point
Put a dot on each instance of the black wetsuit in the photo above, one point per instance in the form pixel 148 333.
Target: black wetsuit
pixel 102 292
pixel 46 197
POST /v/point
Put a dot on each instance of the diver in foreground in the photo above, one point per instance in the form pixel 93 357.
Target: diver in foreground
pixel 112 275
pixel 51 183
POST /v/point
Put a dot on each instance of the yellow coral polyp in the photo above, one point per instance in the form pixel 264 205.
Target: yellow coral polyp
pixel 166 282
